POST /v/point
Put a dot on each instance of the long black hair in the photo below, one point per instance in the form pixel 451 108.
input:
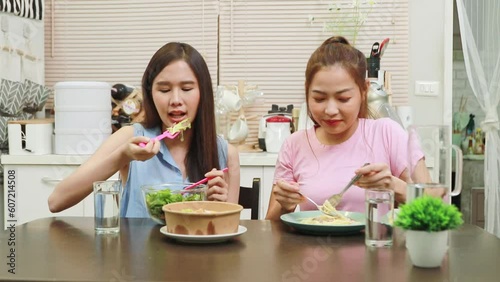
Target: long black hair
pixel 202 155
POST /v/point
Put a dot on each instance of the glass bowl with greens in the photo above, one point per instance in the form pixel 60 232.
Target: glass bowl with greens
pixel 158 195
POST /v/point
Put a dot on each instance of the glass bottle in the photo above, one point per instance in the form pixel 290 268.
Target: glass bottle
pixel 478 145
pixel 470 148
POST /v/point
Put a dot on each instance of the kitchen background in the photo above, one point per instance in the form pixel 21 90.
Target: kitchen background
pixel 263 43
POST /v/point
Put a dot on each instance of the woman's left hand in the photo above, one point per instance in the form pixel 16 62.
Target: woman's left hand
pixel 376 175
pixel 217 186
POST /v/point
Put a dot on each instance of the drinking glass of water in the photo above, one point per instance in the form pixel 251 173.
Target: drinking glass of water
pixel 432 177
pixel 107 206
pixel 379 217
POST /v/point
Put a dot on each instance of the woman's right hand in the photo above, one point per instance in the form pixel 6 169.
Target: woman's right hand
pixel 138 153
pixel 287 195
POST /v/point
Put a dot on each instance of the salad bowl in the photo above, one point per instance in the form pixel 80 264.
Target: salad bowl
pixel 158 195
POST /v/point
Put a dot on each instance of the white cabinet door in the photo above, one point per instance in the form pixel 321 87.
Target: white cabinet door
pixel 33 185
pixel 32 188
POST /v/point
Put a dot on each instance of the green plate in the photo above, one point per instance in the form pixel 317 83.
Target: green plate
pixel 293 220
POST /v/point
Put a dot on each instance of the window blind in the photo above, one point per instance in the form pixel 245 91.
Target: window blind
pixel 263 42
pixel 267 43
pixel 113 40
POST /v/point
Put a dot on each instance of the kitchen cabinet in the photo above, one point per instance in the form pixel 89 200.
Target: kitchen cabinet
pixel 28 182
pixel 472 178
pixel 477 206
pixel 27 186
pixel 33 178
pixel 27 194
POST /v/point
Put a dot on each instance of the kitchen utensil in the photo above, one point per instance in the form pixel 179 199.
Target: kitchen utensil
pixel 204 180
pixel 277 130
pixel 275 111
pixel 203 239
pixel 158 195
pixel 311 200
pixel 295 219
pixel 378 102
pixel 165 134
pixel 335 199
pixel 253 97
pixel 383 46
pixel 321 208
pixel 375 50
pixel 239 130
pixel 189 218
pixel 229 100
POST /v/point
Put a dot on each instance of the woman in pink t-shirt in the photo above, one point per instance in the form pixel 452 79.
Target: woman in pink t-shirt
pixel 320 161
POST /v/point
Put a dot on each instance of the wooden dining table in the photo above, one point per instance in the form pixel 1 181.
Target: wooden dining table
pixel 67 249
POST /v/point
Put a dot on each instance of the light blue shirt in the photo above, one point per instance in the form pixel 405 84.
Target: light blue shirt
pixel 157 170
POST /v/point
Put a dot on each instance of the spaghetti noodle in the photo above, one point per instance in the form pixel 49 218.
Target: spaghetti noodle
pixel 328 220
pixel 332 217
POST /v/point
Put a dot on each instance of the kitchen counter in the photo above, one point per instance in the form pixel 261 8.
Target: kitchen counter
pixel 258 159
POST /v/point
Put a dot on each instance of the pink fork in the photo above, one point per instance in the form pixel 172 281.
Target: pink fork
pixel 204 180
pixel 165 134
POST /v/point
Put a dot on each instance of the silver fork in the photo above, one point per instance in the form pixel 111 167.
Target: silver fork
pixel 312 201
pixel 334 200
pixel 322 209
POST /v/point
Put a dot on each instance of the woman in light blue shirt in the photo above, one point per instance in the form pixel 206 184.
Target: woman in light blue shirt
pixel 176 86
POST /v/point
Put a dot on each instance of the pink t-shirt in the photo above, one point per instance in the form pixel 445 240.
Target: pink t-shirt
pixel 323 170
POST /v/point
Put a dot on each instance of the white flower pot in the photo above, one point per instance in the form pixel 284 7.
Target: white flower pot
pixel 427 249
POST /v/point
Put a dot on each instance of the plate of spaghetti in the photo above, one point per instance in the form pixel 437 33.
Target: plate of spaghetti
pixel 317 223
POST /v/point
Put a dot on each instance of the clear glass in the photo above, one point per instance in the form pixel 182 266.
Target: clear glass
pixel 107 196
pixel 379 217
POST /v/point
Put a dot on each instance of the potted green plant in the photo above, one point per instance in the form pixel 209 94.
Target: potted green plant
pixel 427 220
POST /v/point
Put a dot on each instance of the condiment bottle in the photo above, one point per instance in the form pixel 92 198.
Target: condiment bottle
pixel 295 119
pixel 470 148
pixel 478 145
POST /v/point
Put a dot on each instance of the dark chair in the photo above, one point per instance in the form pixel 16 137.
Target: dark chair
pixel 249 198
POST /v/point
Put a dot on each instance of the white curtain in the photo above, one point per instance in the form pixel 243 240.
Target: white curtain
pixel 480 34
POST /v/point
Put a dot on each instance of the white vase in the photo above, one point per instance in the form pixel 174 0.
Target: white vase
pixel 427 249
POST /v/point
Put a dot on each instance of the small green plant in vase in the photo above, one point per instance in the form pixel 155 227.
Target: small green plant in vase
pixel 427 220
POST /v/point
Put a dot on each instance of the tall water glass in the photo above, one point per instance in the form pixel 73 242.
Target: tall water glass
pixel 379 217
pixel 107 196
pixel 432 175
